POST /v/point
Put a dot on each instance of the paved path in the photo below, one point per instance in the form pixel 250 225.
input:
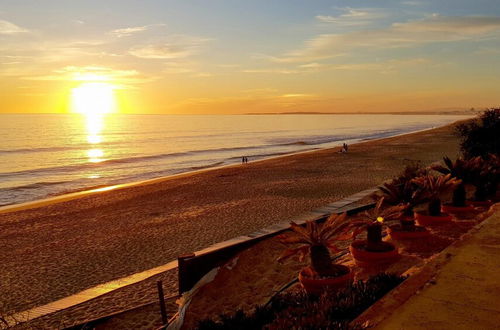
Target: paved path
pixel 105 288
pixel 462 287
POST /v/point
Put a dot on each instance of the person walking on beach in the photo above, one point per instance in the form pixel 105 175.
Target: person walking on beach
pixel 244 159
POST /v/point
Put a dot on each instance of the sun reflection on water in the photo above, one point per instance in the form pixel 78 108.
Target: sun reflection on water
pixel 94 99
pixel 94 126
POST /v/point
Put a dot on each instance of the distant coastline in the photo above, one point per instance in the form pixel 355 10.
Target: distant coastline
pixel 457 112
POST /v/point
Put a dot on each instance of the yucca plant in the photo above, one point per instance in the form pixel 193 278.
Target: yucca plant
pixel 434 186
pixel 317 240
pixel 372 220
pixel 461 169
pixel 403 191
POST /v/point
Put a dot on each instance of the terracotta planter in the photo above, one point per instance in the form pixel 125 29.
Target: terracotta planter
pixel 487 203
pixel 448 208
pixel 398 234
pixel 429 220
pixel 362 256
pixel 317 286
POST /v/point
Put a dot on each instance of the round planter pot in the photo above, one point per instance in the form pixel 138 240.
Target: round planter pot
pixel 398 234
pixel 428 220
pixel 480 203
pixel 317 286
pixel 360 255
pixel 448 208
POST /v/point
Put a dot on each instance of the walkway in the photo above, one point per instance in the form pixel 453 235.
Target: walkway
pixel 459 290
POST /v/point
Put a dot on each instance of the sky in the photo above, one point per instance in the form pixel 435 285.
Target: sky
pixel 240 56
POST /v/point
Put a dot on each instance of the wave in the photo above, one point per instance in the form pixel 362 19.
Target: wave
pixel 324 139
pixel 244 150
pixel 36 185
pixel 43 149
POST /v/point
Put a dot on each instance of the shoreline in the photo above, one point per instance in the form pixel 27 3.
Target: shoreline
pixel 64 248
pixel 71 195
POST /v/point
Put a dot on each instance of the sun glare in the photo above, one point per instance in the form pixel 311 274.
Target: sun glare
pixel 93 98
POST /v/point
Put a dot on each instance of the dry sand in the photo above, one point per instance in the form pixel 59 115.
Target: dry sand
pixel 57 250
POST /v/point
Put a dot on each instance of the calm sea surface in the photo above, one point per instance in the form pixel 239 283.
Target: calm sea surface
pixel 43 155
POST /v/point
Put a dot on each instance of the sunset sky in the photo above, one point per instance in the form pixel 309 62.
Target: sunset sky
pixel 239 56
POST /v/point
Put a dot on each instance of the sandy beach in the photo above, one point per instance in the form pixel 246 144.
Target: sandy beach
pixel 58 249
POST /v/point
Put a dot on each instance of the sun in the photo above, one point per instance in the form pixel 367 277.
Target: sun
pixel 93 98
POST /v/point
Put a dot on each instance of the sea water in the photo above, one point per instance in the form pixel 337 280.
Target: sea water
pixel 49 154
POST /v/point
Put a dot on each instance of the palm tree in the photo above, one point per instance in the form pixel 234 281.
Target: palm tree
pixel 434 186
pixel 460 169
pixel 317 240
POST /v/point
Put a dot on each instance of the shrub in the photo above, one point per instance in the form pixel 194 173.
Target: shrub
pixel 317 240
pixel 480 136
pixel 402 189
pixel 298 310
pixel 433 187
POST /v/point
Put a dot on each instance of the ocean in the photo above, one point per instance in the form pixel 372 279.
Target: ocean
pixel 43 155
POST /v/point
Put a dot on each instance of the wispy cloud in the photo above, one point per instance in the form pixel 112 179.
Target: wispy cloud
pixel 387 66
pixel 431 29
pixel 177 47
pixel 128 31
pixel 412 3
pixel 298 95
pixel 93 74
pixel 8 28
pixel 353 16
pixel 271 70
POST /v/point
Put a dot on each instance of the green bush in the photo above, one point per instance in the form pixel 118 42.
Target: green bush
pixel 480 136
pixel 296 309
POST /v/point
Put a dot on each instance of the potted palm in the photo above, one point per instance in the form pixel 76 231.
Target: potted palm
pixel 317 241
pixel 373 250
pixel 462 170
pixel 433 187
pixel 403 191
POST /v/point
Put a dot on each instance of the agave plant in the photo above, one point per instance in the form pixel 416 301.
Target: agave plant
pixel 434 186
pixel 373 221
pixel 460 169
pixel 402 190
pixel 317 240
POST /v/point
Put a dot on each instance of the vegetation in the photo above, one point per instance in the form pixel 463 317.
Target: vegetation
pixel 480 137
pixel 486 176
pixel 433 187
pixel 372 220
pixel 461 169
pixel 317 240
pixel 402 190
pixel 298 310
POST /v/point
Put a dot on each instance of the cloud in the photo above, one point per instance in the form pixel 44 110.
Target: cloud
pixel 126 32
pixel 429 30
pixel 384 66
pixel 178 47
pixel 298 95
pixel 93 74
pixel 10 28
pixel 352 17
pixel 271 70
pixel 413 3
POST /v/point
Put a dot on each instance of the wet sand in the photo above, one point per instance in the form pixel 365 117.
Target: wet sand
pixel 59 249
